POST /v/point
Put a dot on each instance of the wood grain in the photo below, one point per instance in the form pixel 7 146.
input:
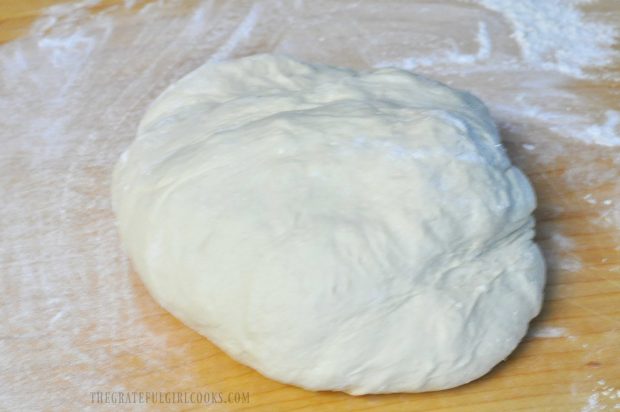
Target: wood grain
pixel 543 374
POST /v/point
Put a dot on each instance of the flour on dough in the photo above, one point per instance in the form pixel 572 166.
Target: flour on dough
pixel 337 230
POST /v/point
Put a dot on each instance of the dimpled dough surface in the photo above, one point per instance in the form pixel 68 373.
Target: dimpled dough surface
pixel 336 230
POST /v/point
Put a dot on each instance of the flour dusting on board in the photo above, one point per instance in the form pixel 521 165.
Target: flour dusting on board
pixel 545 332
pixel 556 43
pixel 74 89
pixel 602 396
pixel 555 35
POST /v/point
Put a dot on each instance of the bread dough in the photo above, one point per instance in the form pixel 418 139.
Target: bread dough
pixel 333 229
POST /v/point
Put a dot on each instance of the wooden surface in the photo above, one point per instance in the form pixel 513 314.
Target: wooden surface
pixel 554 373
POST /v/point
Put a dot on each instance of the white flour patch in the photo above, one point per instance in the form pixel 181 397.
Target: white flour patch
pixel 544 332
pixel 451 56
pixel 242 32
pixel 570 264
pixel 603 395
pixel 554 35
pixel 559 254
pixel 563 243
pixel 556 43
pixel 593 404
pixel 607 133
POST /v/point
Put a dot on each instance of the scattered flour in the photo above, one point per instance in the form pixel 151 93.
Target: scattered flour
pixel 607 133
pixel 451 56
pixel 241 33
pixel 528 146
pixel 554 35
pixel 557 43
pixel 593 404
pixel 604 395
pixel 559 253
pixel 547 332
pixel 590 199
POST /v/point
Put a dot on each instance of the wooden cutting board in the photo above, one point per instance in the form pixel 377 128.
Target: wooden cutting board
pixel 84 325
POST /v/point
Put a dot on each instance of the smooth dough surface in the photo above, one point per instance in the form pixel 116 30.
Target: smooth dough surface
pixel 333 229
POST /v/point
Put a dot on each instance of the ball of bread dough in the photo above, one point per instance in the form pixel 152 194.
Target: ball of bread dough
pixel 357 231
